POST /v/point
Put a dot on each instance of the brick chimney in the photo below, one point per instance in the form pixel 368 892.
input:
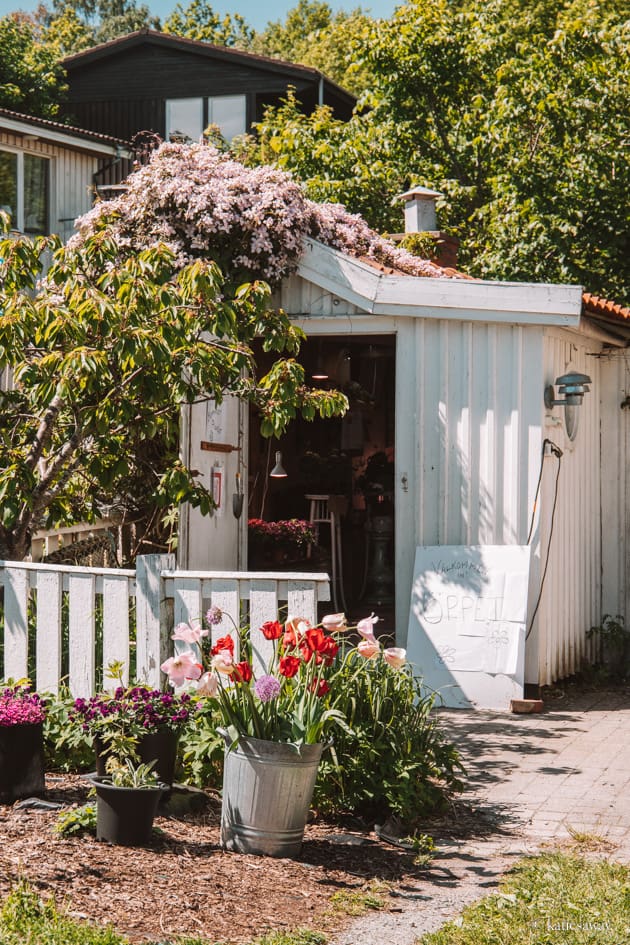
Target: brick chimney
pixel 420 217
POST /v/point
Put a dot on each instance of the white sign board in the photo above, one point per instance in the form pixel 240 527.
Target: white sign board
pixel 467 622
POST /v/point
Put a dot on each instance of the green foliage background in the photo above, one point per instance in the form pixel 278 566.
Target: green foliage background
pixel 517 111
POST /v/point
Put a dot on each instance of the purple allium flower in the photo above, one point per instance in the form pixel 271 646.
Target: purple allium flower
pixel 267 688
pixel 214 616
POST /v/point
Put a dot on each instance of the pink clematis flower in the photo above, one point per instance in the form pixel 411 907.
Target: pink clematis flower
pixel 334 622
pixel 222 662
pixel 208 685
pixel 395 656
pixel 181 667
pixel 188 633
pixel 366 627
pixel 368 649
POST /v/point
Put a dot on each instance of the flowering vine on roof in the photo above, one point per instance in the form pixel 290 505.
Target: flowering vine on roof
pixel 251 221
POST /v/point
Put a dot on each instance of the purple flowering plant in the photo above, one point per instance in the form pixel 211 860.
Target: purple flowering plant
pixel 19 705
pixel 119 719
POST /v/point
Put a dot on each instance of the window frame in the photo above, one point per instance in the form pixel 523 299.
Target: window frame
pixel 18 223
pixel 206 108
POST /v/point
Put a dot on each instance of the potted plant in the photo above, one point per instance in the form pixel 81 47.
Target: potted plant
pixel 274 723
pixel 276 542
pixel 127 798
pixel 22 714
pixel 136 722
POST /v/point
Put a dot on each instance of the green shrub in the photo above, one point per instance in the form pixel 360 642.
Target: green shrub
pixel 201 749
pixel 395 759
pixel 66 746
pixel 77 821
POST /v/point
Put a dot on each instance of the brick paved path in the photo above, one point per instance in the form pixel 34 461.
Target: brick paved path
pixel 565 769
pixel 533 780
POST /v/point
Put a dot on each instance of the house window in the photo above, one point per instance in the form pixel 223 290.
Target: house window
pixel 184 116
pixel 25 191
pixel 188 117
pixel 229 112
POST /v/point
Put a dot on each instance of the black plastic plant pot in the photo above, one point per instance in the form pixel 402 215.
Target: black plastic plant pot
pixel 21 762
pixel 124 816
pixel 157 747
pixel 161 749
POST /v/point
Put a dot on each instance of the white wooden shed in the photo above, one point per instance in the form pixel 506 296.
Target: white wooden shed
pixel 471 362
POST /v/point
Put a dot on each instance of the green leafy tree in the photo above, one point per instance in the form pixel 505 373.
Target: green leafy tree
pixel 288 39
pixel 199 21
pixel 104 355
pixel 518 112
pixel 313 35
pixel 338 162
pixel 89 22
pixel 31 79
pixel 66 33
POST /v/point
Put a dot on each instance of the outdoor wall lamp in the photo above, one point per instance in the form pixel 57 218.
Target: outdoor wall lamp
pixel 573 385
pixel 278 471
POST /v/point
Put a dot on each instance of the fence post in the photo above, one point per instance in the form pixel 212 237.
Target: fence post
pixel 152 625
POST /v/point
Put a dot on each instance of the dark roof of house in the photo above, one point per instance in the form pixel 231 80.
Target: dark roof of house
pixel 143 36
pixel 57 126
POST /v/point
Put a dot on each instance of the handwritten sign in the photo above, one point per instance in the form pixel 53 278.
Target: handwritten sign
pixel 467 622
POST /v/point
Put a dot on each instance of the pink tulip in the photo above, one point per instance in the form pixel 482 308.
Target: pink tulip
pixel 222 662
pixel 188 633
pixel 334 622
pixel 366 627
pixel 208 685
pixel 395 656
pixel 181 667
pixel 368 649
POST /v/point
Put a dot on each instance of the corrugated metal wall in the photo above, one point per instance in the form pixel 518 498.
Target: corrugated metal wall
pixel 479 400
pixel 470 425
pixel 571 598
pixel 71 180
pixel 615 485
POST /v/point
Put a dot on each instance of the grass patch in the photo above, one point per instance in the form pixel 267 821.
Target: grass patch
pixel 586 842
pixel 551 899
pixel 358 901
pixel 297 937
pixel 25 919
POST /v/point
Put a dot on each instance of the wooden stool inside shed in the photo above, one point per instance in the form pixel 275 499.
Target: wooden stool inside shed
pixel 325 510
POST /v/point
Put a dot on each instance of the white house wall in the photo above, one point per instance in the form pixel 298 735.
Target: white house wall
pixel 70 181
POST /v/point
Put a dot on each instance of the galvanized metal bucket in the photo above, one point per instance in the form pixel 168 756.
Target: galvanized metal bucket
pixel 267 791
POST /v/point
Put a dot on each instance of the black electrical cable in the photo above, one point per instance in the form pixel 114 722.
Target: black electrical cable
pixel 540 474
pixel 557 452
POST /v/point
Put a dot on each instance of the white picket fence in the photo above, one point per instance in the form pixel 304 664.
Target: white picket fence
pixel 56 617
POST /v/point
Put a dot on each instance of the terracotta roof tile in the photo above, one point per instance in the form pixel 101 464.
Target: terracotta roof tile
pixel 594 305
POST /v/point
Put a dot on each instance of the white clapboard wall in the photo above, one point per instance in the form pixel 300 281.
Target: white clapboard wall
pixel 55 619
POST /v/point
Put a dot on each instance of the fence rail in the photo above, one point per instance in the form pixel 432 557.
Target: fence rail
pixel 61 622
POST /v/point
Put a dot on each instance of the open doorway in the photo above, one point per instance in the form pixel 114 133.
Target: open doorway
pixel 339 476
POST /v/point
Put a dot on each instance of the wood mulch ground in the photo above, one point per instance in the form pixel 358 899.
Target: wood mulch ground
pixel 183 883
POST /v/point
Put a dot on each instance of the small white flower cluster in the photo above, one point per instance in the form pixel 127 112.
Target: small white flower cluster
pixel 201 202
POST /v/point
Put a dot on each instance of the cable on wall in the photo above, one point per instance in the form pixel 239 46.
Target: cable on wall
pixel 557 452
